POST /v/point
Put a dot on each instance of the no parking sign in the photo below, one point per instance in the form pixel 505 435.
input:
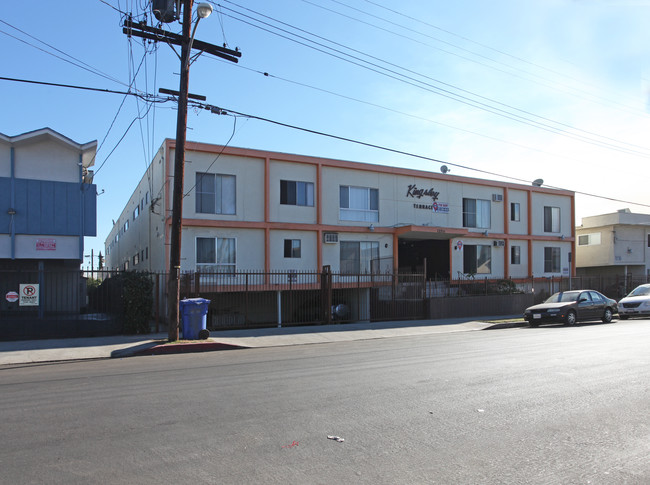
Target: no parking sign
pixel 28 295
pixel 459 245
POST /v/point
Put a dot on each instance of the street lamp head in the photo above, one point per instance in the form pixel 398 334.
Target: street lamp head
pixel 203 10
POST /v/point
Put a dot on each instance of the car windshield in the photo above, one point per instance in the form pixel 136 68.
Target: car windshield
pixel 640 291
pixel 563 297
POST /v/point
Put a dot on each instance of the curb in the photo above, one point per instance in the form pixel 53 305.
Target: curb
pixel 184 348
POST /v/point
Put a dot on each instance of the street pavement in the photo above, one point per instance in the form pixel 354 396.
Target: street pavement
pixel 54 350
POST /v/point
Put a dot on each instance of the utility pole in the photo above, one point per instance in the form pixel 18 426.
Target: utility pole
pixel 173 283
pixel 187 42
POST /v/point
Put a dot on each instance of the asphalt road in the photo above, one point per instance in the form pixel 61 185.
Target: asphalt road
pixel 542 406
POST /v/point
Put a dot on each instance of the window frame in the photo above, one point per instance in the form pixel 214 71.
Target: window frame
pixel 361 265
pixel 471 259
pixel 515 212
pixel 216 192
pixel 367 211
pixel 515 254
pixel 292 191
pixel 230 267
pixel 293 250
pixel 552 219
pixel 552 259
pixel 473 216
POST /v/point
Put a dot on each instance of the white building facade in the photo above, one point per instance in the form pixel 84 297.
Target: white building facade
pixel 616 244
pixel 251 210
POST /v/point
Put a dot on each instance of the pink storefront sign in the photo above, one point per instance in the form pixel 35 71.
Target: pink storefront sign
pixel 46 245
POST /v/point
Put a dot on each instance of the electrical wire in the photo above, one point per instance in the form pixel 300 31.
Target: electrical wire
pixel 451 95
pixel 226 111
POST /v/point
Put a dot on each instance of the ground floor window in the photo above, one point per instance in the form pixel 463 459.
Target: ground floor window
pixel 551 260
pixel 515 255
pixel 477 259
pixel 357 256
pixel 292 248
pixel 216 254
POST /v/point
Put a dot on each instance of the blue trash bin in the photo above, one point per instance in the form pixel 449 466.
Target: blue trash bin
pixel 193 312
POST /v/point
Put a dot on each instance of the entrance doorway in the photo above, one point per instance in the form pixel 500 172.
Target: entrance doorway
pixel 413 252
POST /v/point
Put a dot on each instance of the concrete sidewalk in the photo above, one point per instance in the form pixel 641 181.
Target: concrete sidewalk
pixel 33 351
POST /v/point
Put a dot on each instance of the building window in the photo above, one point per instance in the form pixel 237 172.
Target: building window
pixel 515 255
pixel 136 212
pixel 476 213
pixel 296 193
pixel 216 255
pixel 126 227
pixel 215 194
pixel 357 256
pixel 477 259
pixel 136 259
pixel 649 240
pixel 589 239
pixel 552 260
pixel 358 204
pixel 551 219
pixel 515 211
pixel 146 252
pixel 292 248
pixel 126 265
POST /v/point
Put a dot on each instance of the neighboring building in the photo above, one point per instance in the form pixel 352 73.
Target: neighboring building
pixel 615 244
pixel 47 207
pixel 47 200
pixel 257 210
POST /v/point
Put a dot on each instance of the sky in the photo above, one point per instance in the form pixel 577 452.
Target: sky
pixel 500 90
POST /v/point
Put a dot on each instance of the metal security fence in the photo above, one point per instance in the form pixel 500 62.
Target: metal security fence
pixel 261 299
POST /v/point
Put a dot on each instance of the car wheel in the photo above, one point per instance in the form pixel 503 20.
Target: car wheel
pixel 607 316
pixel 570 318
pixel 623 317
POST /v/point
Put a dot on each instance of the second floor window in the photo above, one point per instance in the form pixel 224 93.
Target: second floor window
pixel 515 211
pixel 551 219
pixel 215 193
pixel 359 204
pixel 476 213
pixel 296 193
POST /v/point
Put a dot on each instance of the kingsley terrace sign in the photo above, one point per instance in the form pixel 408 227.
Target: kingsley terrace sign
pixel 416 193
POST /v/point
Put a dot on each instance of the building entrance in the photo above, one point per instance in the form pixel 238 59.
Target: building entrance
pixel 412 254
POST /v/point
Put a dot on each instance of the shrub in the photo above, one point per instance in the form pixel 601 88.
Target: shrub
pixel 137 299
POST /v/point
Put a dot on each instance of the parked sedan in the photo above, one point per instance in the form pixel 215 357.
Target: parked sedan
pixel 569 307
pixel 636 304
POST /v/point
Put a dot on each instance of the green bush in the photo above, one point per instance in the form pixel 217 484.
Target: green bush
pixel 137 299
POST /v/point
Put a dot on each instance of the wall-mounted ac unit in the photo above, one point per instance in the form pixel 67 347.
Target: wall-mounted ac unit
pixel 331 237
pixel 499 243
pixel 497 197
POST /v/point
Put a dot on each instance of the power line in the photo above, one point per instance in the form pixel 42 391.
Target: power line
pixel 445 92
pixel 226 111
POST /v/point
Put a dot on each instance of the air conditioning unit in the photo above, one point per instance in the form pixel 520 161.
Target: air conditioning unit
pixel 499 243
pixel 331 237
pixel 497 197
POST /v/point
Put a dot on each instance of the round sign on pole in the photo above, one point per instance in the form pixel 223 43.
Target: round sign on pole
pixel 12 296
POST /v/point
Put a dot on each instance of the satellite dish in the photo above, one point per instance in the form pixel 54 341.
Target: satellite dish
pixel 538 182
pixel 444 169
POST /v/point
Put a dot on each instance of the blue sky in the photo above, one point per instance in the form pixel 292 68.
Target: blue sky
pixel 551 89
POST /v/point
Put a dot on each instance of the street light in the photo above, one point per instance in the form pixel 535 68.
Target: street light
pixel 203 10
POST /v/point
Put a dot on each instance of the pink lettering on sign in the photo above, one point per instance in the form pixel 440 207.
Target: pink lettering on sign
pixel 45 244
